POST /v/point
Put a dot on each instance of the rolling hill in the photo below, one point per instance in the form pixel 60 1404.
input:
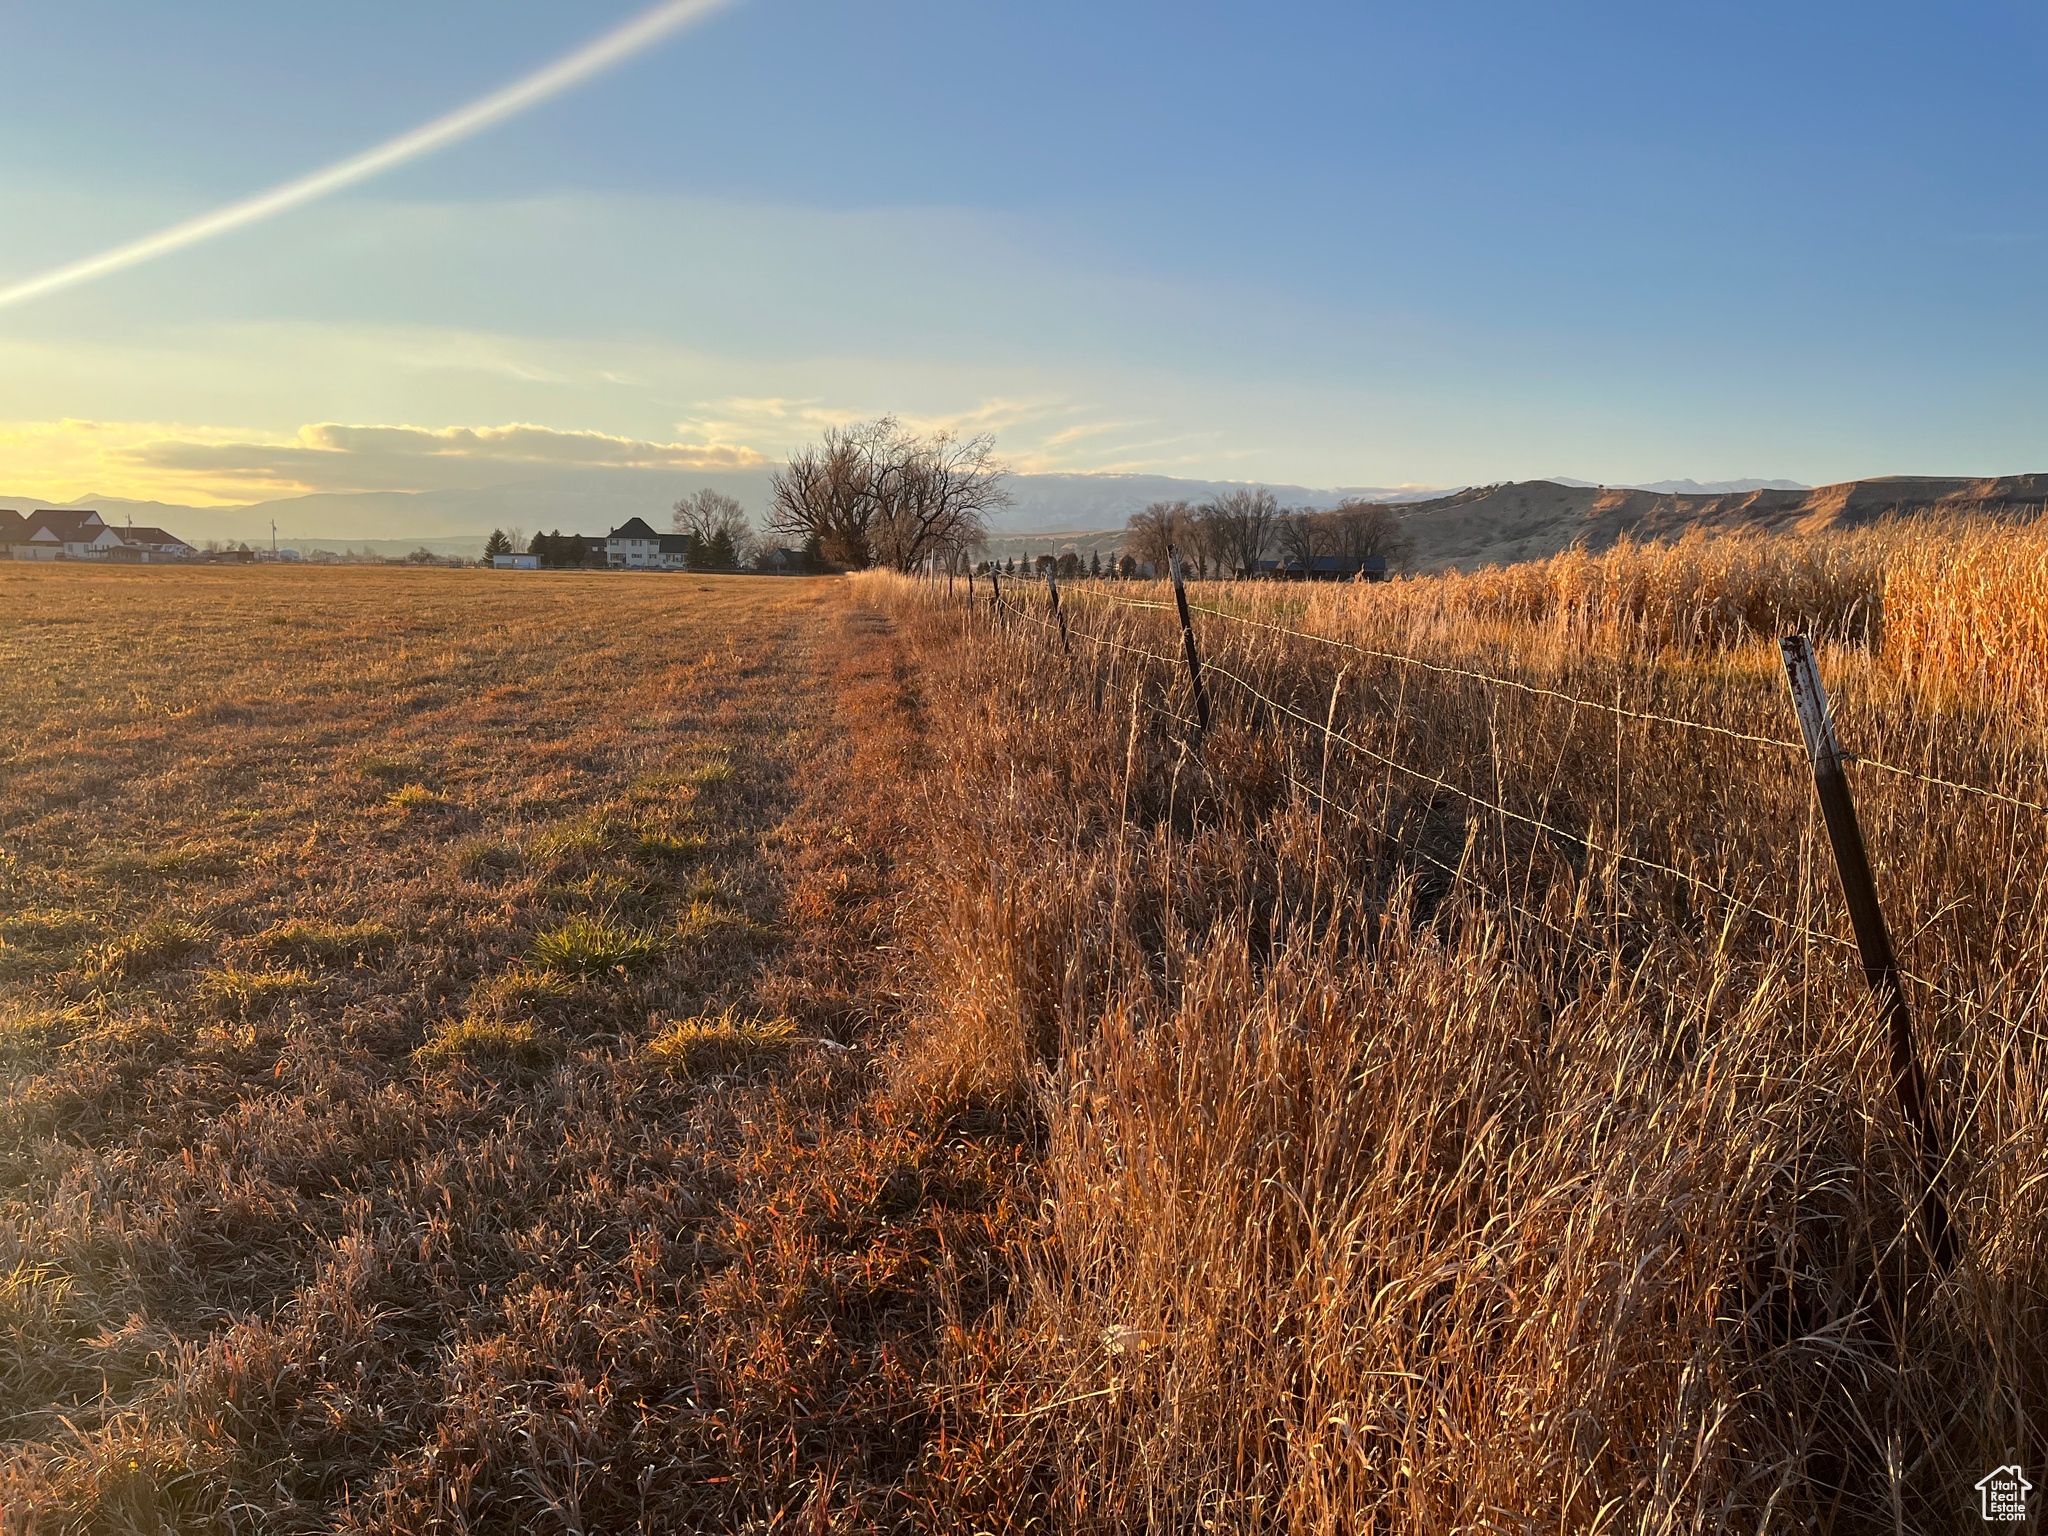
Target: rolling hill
pixel 1529 519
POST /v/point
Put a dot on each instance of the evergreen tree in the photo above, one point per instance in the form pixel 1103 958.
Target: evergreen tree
pixel 718 552
pixel 497 544
pixel 1095 564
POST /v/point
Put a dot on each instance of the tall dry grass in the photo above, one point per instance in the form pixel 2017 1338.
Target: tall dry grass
pixel 1411 1168
pixel 1966 614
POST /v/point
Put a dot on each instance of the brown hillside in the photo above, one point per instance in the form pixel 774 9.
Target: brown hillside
pixel 1530 519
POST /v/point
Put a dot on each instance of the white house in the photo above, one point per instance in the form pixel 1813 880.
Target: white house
pixel 634 545
pixel 73 533
pixel 67 533
pixel 675 552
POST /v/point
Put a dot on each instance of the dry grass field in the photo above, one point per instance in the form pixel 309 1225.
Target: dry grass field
pixel 592 1053
pixel 413 996
pixel 1460 1108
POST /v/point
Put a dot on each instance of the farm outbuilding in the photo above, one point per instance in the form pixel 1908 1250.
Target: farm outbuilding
pixel 1326 568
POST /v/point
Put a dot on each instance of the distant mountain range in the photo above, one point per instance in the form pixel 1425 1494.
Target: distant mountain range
pixel 1469 526
pixel 596 501
pixel 1531 519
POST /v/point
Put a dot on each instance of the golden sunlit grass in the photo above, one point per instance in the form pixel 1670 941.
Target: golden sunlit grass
pixel 586 946
pixel 1411 1166
pixel 719 1043
pixel 822 1061
pixel 324 1205
pixel 483 1041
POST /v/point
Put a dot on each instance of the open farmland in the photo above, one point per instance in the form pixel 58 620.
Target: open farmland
pixel 596 1053
pixel 390 962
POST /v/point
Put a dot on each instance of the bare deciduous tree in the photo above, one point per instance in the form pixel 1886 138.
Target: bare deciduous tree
pixel 877 493
pixel 1148 533
pixel 719 527
pixel 1237 527
pixel 937 493
pixel 1302 536
pixel 1361 529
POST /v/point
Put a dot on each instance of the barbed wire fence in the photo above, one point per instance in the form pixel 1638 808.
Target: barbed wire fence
pixel 1120 643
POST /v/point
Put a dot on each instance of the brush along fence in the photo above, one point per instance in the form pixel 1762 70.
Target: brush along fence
pixel 1268 699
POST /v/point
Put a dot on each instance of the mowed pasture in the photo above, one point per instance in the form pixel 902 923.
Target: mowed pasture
pixel 392 963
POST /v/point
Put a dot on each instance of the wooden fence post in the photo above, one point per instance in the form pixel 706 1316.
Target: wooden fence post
pixel 1187 638
pixel 995 593
pixel 1052 587
pixel 1873 938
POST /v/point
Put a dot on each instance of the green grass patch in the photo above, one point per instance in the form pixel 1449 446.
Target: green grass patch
pixel 158 945
pixel 478 858
pixel 669 847
pixel 514 993
pixel 331 944
pixel 719 1042
pixel 594 946
pixel 241 994
pixel 48 929
pixel 414 798
pixel 718 770
pixel 705 891
pixel 605 891
pixel 595 836
pixel 205 861
pixel 27 1034
pixel 662 788
pixel 388 770
pixel 483 1042
pixel 140 1040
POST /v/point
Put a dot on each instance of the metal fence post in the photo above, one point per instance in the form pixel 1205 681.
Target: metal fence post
pixel 1187 637
pixel 1052 587
pixel 1873 938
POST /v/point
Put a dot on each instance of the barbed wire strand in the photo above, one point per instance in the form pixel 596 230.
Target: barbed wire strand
pixel 1212 667
pixel 1647 716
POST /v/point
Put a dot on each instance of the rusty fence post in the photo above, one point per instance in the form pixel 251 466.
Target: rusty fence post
pixel 1873 938
pixel 1187 637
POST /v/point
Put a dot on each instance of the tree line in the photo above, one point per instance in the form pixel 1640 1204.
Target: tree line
pixel 879 493
pixel 717 532
pixel 1232 533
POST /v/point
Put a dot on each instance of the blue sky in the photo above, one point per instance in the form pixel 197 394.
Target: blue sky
pixel 1322 244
